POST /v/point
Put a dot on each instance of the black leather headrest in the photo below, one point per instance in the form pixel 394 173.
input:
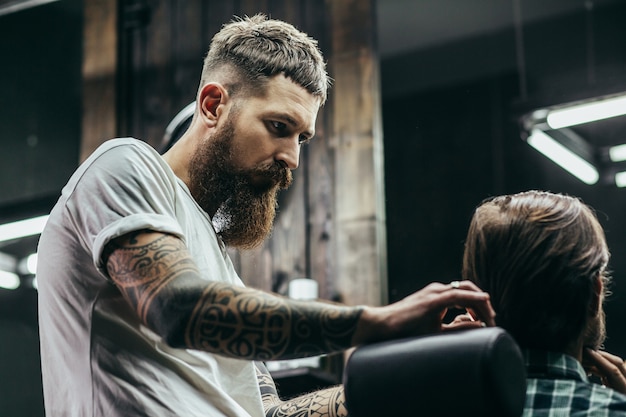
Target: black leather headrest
pixel 458 374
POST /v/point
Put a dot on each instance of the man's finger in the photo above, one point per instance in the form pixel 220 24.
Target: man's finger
pixel 610 368
pixel 466 294
pixel 464 325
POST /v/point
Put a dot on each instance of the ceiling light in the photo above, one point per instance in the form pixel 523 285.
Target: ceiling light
pixel 12 6
pixel 7 262
pixel 31 263
pixel 617 153
pixel 28 265
pixel 9 280
pixel 22 228
pixel 564 157
pixel 620 179
pixel 590 111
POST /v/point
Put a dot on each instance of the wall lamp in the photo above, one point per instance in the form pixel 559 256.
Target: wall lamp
pixel 586 112
pixel 14 273
pixel 22 228
pixel 563 156
pixel 12 6
pixel 12 270
pixel 547 130
pixel 9 279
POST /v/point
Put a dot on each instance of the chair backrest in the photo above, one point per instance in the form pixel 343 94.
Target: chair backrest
pixel 458 374
pixel 176 127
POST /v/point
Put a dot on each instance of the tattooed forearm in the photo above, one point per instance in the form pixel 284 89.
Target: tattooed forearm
pixel 253 324
pixel 157 275
pixel 269 394
pixel 329 402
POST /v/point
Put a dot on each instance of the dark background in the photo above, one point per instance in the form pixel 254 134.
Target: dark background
pixel 450 146
pixel 40 111
pixel 456 76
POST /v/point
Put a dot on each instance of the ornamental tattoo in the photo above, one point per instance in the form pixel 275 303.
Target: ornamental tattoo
pixel 328 402
pixel 157 275
pixel 251 324
pixel 145 271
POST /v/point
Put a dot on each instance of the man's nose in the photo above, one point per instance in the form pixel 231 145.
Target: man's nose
pixel 288 154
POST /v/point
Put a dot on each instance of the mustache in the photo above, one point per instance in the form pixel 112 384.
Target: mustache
pixel 270 175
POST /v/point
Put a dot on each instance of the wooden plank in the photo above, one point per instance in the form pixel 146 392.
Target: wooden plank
pixel 321 236
pixel 152 76
pixel 99 71
pixel 356 137
pixel 189 47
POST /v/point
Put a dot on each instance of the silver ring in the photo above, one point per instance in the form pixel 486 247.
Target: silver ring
pixel 455 284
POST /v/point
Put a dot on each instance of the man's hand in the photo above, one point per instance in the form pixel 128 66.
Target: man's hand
pixel 609 368
pixel 423 311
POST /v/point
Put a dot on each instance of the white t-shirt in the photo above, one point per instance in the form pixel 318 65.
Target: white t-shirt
pixel 97 358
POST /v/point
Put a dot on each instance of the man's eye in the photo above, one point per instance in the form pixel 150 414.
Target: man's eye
pixel 279 126
pixel 303 140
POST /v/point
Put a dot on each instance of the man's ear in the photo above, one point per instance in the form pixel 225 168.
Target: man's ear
pixel 212 98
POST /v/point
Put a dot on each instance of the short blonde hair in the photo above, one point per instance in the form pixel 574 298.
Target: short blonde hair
pixel 251 50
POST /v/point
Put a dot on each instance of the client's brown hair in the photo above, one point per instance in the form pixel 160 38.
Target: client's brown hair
pixel 537 254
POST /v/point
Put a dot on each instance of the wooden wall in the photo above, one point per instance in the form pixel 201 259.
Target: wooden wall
pixel 99 72
pixel 331 223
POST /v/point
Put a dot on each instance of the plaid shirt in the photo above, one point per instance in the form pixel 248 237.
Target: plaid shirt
pixel 557 386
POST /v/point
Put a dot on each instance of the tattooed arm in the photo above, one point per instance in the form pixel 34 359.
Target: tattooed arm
pixel 156 274
pixel 329 402
pixel 158 277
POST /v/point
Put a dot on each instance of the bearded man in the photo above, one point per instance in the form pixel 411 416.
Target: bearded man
pixel 141 310
pixel 543 259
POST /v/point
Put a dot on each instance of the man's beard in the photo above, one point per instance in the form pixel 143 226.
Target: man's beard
pixel 245 199
pixel 595 331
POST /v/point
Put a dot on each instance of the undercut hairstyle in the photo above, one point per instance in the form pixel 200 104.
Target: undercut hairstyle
pixel 251 50
pixel 538 255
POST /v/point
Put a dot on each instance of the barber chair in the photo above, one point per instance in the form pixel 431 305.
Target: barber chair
pixel 465 373
pixel 176 127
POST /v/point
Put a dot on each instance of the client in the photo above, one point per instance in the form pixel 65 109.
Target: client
pixel 543 259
